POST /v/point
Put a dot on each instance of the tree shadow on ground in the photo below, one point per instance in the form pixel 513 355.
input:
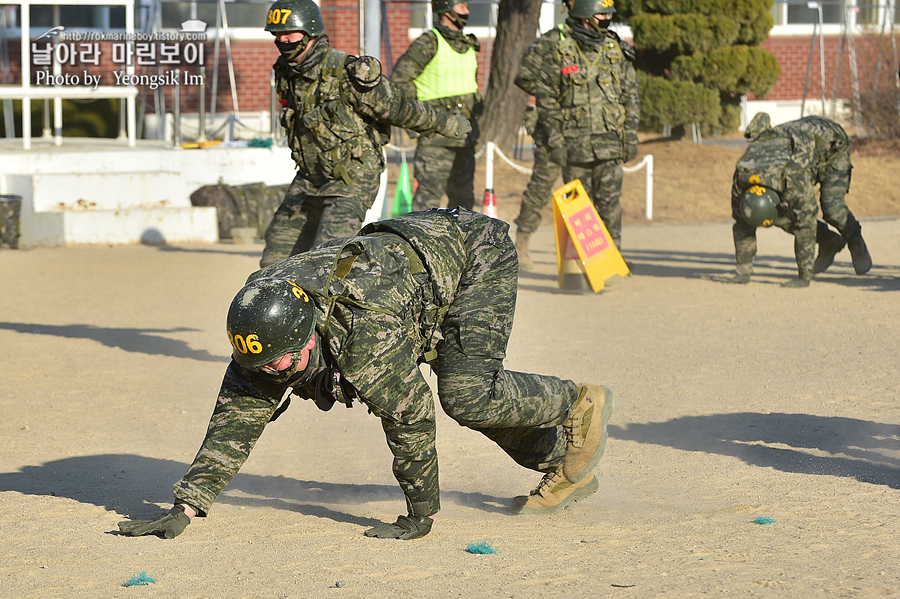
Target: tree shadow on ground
pixel 143 341
pixel 133 485
pixel 799 443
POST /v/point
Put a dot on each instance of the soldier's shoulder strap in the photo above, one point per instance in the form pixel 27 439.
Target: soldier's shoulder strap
pixel 627 49
pixel 333 65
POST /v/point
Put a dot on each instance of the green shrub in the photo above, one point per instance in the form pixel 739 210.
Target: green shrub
pixel 673 103
pixel 736 69
pixel 682 34
pixel 702 53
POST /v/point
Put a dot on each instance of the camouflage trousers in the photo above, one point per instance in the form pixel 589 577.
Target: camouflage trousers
pixel 539 190
pixel 307 218
pixel 602 181
pixel 834 183
pixel 520 412
pixel 440 170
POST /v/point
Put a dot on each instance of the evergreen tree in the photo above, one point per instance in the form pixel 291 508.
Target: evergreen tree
pixel 696 58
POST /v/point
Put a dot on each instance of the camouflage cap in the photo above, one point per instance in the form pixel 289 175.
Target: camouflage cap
pixel 761 122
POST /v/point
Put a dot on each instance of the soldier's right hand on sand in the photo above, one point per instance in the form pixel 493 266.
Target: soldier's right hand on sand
pixel 167 526
pixel 405 528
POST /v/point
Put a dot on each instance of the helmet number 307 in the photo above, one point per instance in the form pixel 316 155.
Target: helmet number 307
pixel 251 344
pixel 278 16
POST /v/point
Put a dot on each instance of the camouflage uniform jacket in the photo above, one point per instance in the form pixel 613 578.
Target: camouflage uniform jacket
pixel 337 112
pixel 380 299
pixel 785 161
pixel 530 69
pixel 588 96
pixel 413 62
pixel 832 147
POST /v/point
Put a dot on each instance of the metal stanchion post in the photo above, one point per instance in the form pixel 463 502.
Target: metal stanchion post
pixel 176 99
pixel 201 137
pixel 48 132
pixel 273 107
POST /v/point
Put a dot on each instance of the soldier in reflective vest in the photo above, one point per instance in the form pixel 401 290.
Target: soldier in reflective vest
pixel 440 69
pixel 588 97
pixel 337 111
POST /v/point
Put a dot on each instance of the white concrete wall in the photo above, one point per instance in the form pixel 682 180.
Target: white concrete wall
pixel 782 112
pixel 90 191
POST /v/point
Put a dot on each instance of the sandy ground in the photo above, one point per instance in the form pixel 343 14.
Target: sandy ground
pixel 733 403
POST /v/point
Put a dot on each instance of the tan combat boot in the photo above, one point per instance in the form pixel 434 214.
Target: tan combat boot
pixel 555 492
pixel 522 241
pixel 585 431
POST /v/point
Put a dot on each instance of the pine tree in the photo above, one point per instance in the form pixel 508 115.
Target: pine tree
pixel 696 58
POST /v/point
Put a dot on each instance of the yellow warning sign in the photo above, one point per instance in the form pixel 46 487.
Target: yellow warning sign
pixel 579 228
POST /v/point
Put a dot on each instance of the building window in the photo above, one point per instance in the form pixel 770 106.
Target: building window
pixel 861 12
pixel 479 14
pixel 240 13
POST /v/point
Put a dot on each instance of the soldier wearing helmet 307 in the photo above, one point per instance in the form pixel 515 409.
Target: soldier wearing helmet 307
pixel 774 184
pixel 352 320
pixel 588 99
pixel 337 113
pixel 440 69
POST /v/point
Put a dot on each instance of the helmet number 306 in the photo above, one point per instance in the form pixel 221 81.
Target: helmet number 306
pixel 251 344
pixel 278 16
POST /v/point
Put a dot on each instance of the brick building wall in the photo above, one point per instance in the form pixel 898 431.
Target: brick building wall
pixel 793 54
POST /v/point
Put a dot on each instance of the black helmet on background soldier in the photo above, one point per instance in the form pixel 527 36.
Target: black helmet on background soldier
pixel 295 15
pixel 269 318
pixel 446 6
pixel 585 9
pixel 442 6
pixel 758 206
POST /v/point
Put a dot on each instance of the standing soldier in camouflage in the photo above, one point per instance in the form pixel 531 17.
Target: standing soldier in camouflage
pixel 588 98
pixel 440 69
pixel 544 173
pixel 337 113
pixel 352 320
pixel 774 184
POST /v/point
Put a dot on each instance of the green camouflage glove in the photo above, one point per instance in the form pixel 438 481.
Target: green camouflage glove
pixel 631 146
pixel 168 526
pixel 456 127
pixel 405 528
pixel 738 279
pixel 559 156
